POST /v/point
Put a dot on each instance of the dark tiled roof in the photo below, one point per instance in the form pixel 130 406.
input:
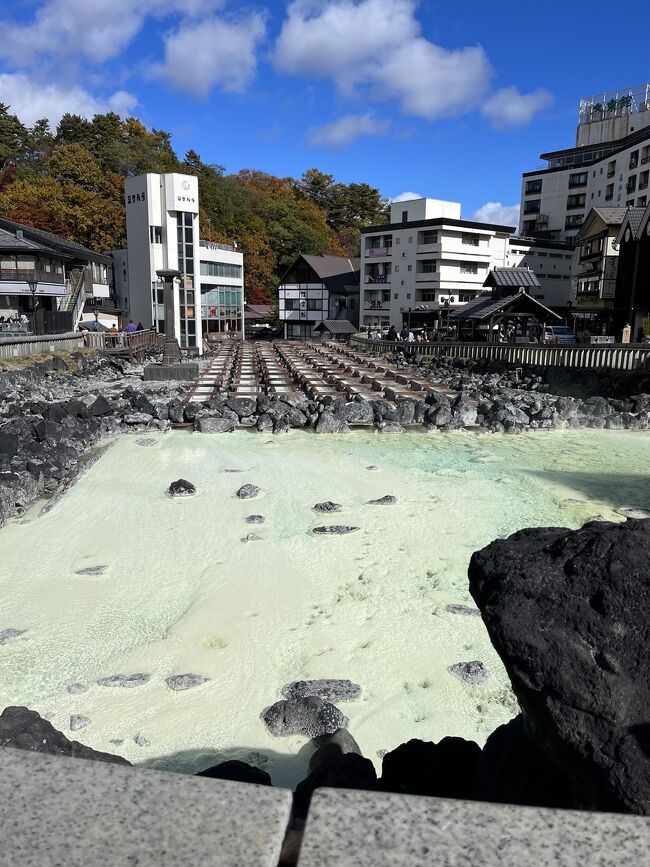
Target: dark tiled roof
pixel 54 242
pixel 512 277
pixel 336 326
pixel 9 242
pixel 484 308
pixel 333 266
pixel 611 216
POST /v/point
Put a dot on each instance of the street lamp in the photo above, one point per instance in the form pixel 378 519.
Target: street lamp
pixel 32 282
pixel 171 349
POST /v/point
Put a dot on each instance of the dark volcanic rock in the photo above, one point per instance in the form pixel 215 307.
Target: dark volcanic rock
pixel 471 672
pixel 464 610
pixel 25 729
pixel 330 746
pixel 347 771
pixel 7 634
pixel 513 769
pixel 310 716
pixel 328 690
pixel 567 613
pixel 126 681
pixel 239 772
pixel 182 488
pixel 78 721
pixel 247 492
pixel 91 570
pixel 442 770
pixel 334 530
pixel 214 425
pixel 254 519
pixel 328 506
pixel 388 500
pixel 180 682
pixel 77 688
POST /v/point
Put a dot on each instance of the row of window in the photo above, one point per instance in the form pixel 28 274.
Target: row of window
pixel 309 304
pixel 382 242
pixel 427 266
pixel 220 269
pixel 22 267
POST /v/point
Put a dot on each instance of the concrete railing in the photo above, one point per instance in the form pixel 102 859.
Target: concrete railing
pixel 36 344
pixel 59 810
pixel 618 357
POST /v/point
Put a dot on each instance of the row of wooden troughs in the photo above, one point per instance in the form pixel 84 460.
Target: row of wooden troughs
pixel 248 369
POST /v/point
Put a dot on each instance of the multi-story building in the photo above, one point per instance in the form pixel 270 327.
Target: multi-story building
pixel 608 167
pixel 315 289
pixel 426 256
pixel 162 223
pixel 40 271
pixel 595 267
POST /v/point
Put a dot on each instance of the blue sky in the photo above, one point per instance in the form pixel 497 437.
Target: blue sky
pixel 448 100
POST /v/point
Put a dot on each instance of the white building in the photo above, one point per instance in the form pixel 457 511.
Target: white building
pixel 426 256
pixel 162 224
pixel 608 167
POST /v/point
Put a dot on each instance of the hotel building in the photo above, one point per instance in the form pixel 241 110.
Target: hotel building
pixel 426 257
pixel 609 167
pixel 162 222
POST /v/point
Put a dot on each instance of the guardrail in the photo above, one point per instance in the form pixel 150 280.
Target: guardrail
pixel 137 343
pixel 617 357
pixel 36 344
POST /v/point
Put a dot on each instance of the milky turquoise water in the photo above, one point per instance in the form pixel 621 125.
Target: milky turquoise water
pixel 182 593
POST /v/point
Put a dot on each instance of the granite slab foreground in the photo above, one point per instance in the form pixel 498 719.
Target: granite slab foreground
pixel 370 829
pixel 57 811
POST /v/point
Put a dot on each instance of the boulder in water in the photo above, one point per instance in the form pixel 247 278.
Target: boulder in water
pixel 254 519
pixel 180 682
pixel 328 506
pixel 247 492
pixel 182 488
pixel 334 530
pixel 78 721
pixel 327 689
pixel 309 716
pixel 9 634
pixel 388 500
pixel 125 681
pixel 471 672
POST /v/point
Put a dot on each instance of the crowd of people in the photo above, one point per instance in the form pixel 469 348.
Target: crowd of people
pixel 14 323
pixel 406 335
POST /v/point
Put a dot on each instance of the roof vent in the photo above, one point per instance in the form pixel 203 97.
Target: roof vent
pixel 19 234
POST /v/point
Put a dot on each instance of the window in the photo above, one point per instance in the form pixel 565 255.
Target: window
pixel 574 220
pixel 220 269
pixel 533 186
pixel 469 268
pixel 533 206
pixel 410 239
pixel 396 268
pixel 428 267
pixel 408 296
pixel 385 296
pixel 576 201
pixel 634 159
pixel 155 234
pixel 631 184
pixel 580 179
pixel 629 203
pixel 405 216
pixel 395 297
pixel 429 238
pixel 464 297
pixel 642 201
pixel 609 192
pixel 291 304
pixel 645 154
pixel 611 169
pixel 314 304
pixel 471 240
pixel 643 179
pixel 397 241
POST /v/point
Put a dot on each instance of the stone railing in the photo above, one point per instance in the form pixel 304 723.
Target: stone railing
pixel 59 810
pixel 36 344
pixel 617 357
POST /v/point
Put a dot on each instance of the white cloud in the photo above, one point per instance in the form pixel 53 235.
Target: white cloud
pixel 201 55
pixel 97 30
pixel 509 108
pixel 495 212
pixel 377 45
pixel 346 129
pixel 32 100
pixel 406 197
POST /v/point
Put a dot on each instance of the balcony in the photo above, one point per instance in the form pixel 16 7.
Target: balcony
pixel 212 245
pixel 375 252
pixel 611 173
pixel 15 275
pixel 377 278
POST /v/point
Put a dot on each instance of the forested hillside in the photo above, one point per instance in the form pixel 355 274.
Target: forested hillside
pixel 70 181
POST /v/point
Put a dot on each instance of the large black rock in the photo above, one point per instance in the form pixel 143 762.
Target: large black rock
pixel 309 716
pixel 347 771
pixel 567 611
pixel 25 729
pixel 442 770
pixel 513 769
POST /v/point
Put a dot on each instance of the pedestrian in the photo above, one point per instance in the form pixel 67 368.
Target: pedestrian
pixel 392 333
pixel 369 332
pixel 112 329
pixel 131 327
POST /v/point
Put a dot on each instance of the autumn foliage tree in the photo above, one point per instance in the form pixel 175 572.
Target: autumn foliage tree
pixel 71 182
